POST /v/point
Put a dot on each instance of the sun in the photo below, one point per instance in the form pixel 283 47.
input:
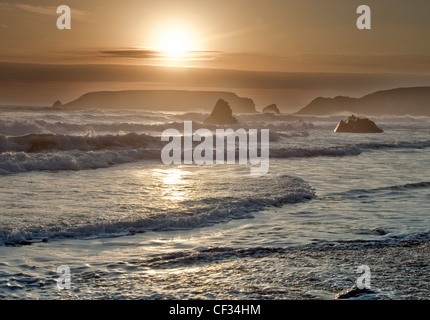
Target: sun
pixel 175 43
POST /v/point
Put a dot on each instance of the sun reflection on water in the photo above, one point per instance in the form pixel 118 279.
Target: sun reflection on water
pixel 173 185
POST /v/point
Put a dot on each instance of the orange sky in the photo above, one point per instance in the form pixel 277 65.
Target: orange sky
pixel 256 30
pixel 254 35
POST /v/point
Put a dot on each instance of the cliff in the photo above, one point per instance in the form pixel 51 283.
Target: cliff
pixel 162 100
pixel 413 101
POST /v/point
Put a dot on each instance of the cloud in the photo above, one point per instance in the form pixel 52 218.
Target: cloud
pixel 152 54
pixel 131 53
pixel 42 10
pixel 46 10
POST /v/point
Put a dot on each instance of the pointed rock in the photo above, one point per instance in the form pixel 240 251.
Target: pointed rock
pixel 273 108
pixel 57 104
pixel 221 114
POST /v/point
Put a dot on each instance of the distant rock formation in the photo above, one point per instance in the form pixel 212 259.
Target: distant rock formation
pixel 273 108
pixel 57 104
pixel 221 114
pixel 162 100
pixel 403 101
pixel 357 125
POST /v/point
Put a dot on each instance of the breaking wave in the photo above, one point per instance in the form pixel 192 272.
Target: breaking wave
pixel 79 152
pixel 232 202
pixel 47 142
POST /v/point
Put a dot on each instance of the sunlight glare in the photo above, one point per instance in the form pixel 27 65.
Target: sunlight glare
pixel 175 43
pixel 172 185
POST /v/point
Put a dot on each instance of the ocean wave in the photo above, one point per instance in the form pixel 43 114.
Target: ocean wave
pixel 21 161
pixel 46 142
pixel 296 152
pixel 90 142
pixel 406 186
pixel 396 145
pixel 67 152
pixel 25 127
pixel 234 203
pixel 33 143
pixel 9 127
pixel 344 150
pixel 16 162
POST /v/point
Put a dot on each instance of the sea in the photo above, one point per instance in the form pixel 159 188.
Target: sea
pixel 89 211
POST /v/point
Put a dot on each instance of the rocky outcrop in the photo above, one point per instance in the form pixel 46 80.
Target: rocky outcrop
pixel 57 104
pixel 357 125
pixel 273 108
pixel 221 114
pixel 162 100
pixel 402 101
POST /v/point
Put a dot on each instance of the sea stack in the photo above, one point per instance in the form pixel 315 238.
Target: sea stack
pixel 221 114
pixel 57 104
pixel 357 125
pixel 273 108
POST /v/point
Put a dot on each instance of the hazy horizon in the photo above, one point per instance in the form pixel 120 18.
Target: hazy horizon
pixel 253 48
pixel 291 91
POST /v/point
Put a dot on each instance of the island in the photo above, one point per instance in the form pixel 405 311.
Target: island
pixel 413 101
pixel 162 100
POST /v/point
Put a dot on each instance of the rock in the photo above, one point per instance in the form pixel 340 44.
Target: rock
pixel 379 231
pixel 273 108
pixel 57 104
pixel 357 125
pixel 221 114
pixel 352 292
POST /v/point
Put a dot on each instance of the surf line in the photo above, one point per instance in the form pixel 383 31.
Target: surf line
pixel 180 149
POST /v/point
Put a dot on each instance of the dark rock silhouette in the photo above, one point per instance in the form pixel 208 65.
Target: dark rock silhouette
pixel 379 231
pixel 357 125
pixel 221 114
pixel 273 108
pixel 162 100
pixel 402 101
pixel 57 104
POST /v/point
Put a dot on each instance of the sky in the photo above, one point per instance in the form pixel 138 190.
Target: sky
pixel 258 36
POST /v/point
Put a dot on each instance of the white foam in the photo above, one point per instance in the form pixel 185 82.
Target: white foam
pixel 14 162
pixel 214 205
